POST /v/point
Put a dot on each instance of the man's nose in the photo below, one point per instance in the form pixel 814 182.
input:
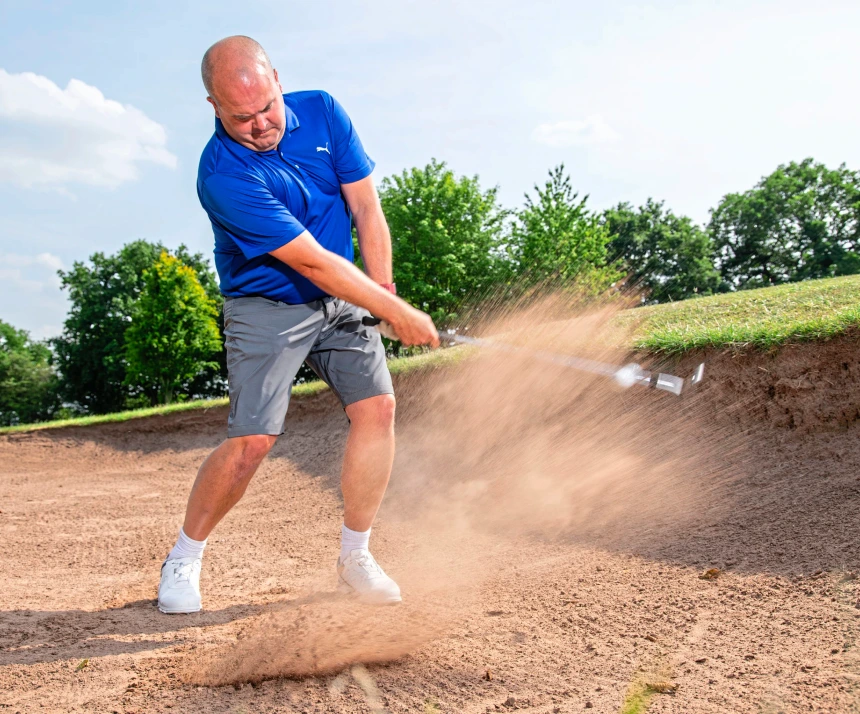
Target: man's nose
pixel 260 123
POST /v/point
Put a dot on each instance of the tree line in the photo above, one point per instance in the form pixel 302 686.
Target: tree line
pixel 144 324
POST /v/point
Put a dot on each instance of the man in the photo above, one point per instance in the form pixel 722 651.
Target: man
pixel 281 179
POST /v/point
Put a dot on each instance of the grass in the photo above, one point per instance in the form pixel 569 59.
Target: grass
pixel 765 318
pixel 116 416
pixel 637 700
pixel 640 692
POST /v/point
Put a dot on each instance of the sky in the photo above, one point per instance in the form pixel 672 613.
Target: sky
pixel 103 114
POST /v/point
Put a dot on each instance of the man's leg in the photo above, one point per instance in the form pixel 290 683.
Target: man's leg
pixel 364 478
pixel 368 459
pixel 266 343
pixel 350 357
pixel 222 480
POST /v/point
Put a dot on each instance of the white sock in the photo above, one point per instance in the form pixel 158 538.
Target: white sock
pixel 352 540
pixel 187 547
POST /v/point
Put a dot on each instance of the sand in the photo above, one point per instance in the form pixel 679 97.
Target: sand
pixel 551 534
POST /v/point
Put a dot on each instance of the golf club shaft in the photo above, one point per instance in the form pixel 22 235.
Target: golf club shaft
pixel 625 376
pixel 585 365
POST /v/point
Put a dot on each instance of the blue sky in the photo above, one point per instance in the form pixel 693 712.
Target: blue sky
pixel 683 101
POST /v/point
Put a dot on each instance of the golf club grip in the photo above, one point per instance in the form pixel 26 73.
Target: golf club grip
pixel 381 326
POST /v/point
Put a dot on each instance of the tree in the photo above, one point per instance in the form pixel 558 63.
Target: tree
pixel 801 222
pixel 667 256
pixel 446 234
pixel 556 237
pixel 91 351
pixel 173 334
pixel 28 384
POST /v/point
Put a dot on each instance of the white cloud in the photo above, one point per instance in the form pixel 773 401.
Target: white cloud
pixel 30 293
pixel 47 260
pixel 585 132
pixel 705 97
pixel 682 101
pixel 54 137
pixel 30 273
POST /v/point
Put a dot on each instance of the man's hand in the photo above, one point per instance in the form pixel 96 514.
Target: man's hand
pixel 413 327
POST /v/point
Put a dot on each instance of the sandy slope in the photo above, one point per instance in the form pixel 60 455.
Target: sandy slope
pixel 548 531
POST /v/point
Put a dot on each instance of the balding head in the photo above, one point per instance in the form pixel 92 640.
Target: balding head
pixel 245 92
pixel 234 59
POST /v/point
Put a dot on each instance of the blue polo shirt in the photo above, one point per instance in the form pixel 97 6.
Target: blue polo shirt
pixel 258 201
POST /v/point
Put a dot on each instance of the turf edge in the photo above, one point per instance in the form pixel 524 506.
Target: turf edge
pixel 815 310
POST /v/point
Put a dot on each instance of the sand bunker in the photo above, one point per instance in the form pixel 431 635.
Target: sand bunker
pixel 505 448
pixel 549 531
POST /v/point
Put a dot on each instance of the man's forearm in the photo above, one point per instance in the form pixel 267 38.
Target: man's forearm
pixel 342 279
pixel 374 242
pixel 337 276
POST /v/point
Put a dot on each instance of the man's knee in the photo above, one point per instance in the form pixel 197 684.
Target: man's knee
pixel 254 447
pixel 376 412
pixel 385 410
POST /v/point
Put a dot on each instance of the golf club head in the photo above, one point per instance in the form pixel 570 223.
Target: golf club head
pixel 667 383
pixel 677 385
pixel 634 374
pixel 698 375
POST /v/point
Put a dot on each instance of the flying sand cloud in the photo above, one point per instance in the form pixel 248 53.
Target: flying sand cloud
pixel 54 137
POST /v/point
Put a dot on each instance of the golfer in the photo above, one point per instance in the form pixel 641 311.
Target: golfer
pixel 282 180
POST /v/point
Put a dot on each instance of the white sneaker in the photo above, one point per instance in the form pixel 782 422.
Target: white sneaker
pixel 179 591
pixel 360 575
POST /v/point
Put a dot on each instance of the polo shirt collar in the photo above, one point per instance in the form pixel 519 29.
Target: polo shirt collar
pixel 238 149
pixel 292 119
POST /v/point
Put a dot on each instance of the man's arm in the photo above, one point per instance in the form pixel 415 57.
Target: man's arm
pixel 261 224
pixel 338 277
pixel 374 239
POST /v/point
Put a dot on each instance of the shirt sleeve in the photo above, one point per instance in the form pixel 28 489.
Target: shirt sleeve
pixel 245 207
pixel 351 162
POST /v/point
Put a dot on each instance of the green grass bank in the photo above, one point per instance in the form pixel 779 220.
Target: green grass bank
pixel 759 319
pixel 763 318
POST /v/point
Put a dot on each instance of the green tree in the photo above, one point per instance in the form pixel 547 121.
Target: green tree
pixel 801 222
pixel 90 353
pixel 28 384
pixel 557 238
pixel 667 256
pixel 447 235
pixel 173 334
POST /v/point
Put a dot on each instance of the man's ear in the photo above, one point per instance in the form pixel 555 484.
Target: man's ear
pixel 212 102
pixel 278 81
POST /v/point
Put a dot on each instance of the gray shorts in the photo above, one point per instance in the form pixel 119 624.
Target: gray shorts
pixel 267 341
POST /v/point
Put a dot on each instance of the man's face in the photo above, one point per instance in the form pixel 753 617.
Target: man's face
pixel 252 110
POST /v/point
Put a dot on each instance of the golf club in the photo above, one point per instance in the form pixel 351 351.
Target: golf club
pixel 625 376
